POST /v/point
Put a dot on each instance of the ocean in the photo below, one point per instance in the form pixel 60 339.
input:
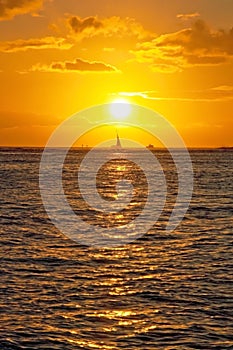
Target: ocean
pixel 165 290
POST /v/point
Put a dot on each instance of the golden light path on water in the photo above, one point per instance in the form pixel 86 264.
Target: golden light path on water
pixel 162 291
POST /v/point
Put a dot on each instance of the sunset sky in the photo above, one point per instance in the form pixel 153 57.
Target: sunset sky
pixel 58 57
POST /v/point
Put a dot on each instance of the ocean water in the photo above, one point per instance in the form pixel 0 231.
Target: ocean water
pixel 170 291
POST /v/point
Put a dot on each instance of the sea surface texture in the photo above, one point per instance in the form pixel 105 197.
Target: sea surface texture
pixel 168 291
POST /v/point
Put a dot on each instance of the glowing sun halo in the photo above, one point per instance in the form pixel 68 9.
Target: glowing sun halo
pixel 120 108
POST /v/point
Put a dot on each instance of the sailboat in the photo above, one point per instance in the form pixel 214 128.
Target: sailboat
pixel 118 145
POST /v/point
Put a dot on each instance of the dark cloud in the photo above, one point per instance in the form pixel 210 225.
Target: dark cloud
pixel 198 45
pixel 200 39
pixel 57 66
pixel 111 26
pixel 11 8
pixel 80 24
pixel 78 65
pixel 81 65
pixel 49 42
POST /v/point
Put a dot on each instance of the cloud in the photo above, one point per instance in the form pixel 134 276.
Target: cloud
pixel 189 47
pixel 206 60
pixel 109 49
pixel 79 25
pixel 215 94
pixel 223 88
pixel 108 27
pixel 12 8
pixel 49 42
pixel 78 65
pixel 188 16
pixel 165 68
pixel 143 94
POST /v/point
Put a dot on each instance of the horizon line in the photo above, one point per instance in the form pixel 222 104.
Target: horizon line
pixel 90 147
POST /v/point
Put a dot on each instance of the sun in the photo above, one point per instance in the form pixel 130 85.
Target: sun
pixel 120 108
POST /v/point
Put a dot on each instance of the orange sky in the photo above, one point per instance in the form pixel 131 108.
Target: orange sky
pixel 58 57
